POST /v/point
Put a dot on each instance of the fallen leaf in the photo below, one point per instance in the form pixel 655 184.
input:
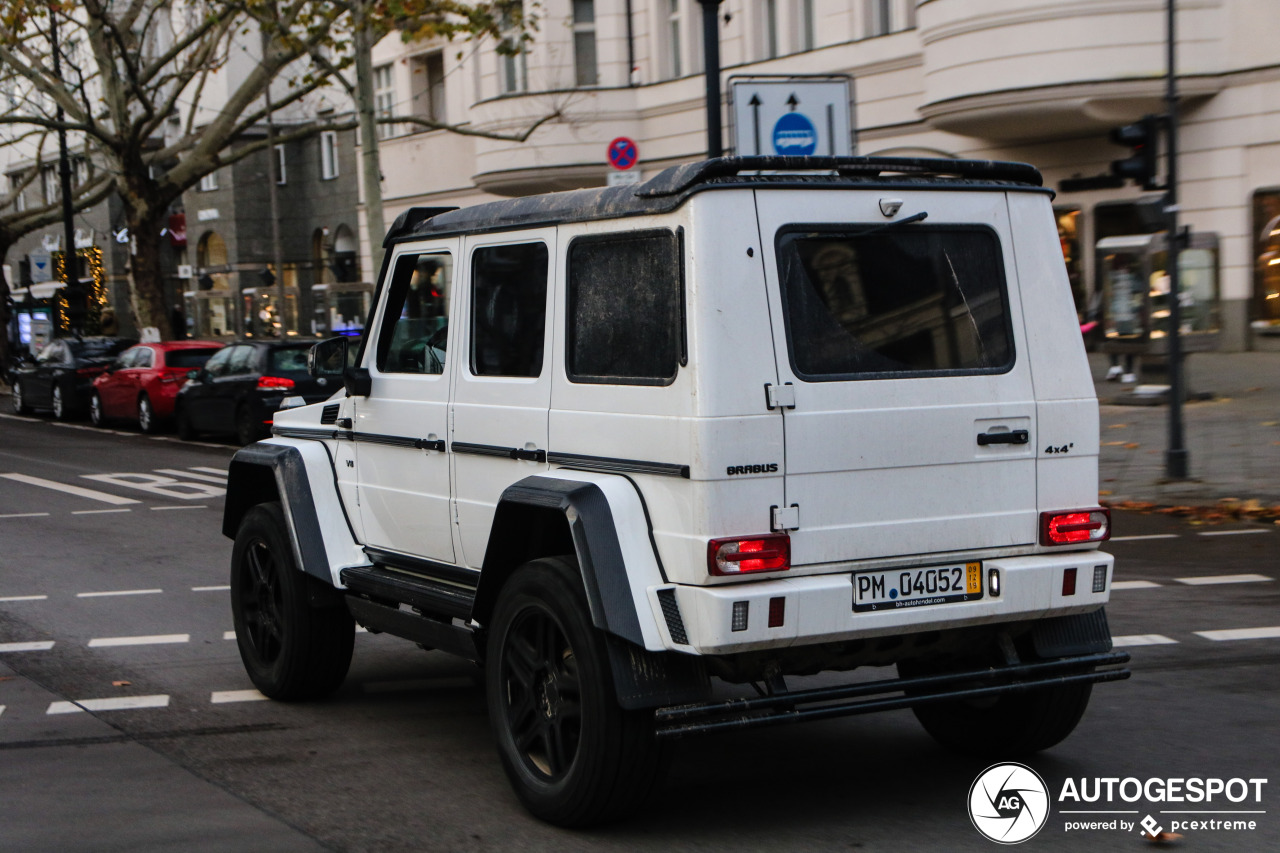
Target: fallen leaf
pixel 1133 445
pixel 1118 426
pixel 1255 389
pixel 1271 423
pixel 121 684
pixel 1163 837
pixel 1112 443
pixel 1104 492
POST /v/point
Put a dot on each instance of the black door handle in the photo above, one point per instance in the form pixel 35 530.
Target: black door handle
pixel 529 455
pixel 1017 436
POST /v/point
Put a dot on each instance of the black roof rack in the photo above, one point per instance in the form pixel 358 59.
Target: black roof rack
pixel 669 188
pixel 678 179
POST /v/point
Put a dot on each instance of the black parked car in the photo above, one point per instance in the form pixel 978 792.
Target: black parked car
pixel 61 376
pixel 240 388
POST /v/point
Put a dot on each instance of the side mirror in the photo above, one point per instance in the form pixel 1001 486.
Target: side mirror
pixel 357 381
pixel 327 358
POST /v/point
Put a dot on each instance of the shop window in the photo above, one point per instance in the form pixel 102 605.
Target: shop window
pixel 1069 237
pixel 1266 281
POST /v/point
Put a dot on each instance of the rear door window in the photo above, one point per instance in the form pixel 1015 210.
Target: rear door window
pixel 626 309
pixel 508 309
pixel 188 358
pixel 869 303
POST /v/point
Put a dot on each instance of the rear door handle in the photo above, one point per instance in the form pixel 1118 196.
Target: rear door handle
pixel 1017 436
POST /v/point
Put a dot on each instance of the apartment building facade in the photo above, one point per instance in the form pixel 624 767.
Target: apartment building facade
pixel 1041 81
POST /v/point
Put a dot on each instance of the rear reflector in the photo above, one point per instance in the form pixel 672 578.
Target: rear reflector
pixel 777 611
pixel 1074 526
pixel 1068 581
pixel 274 382
pixel 766 553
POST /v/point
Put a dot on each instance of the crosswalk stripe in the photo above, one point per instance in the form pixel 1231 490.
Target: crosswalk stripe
pixel 78 491
pixel 1206 580
pixel 1134 585
pixel 206 478
pixel 24 598
pixel 154 639
pixel 1143 640
pixel 119 703
pixel 215 471
pixel 221 697
pixel 37 646
pixel 1241 634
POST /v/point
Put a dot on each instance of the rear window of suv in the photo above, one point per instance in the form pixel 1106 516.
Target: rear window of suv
pixel 290 360
pixel 872 303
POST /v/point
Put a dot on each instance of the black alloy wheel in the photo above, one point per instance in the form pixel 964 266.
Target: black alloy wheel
pixel 544 696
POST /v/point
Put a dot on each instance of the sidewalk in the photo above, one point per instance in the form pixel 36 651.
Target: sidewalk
pixel 1233 439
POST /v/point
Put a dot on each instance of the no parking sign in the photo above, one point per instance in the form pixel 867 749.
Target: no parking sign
pixel 623 153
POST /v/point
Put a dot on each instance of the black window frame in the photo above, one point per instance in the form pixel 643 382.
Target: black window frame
pixel 682 338
pixel 854 229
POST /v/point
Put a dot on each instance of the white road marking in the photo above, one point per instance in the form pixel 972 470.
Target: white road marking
pixel 153 639
pixel 26 515
pixel 114 592
pixel 210 588
pixel 1134 585
pixel 206 478
pixel 97 511
pixel 119 703
pixel 1 709
pixel 163 508
pixel 215 471
pixel 78 491
pixel 360 629
pixel 1234 532
pixel 1242 634
pixel 24 598
pixel 166 487
pixel 228 635
pixel 1141 538
pixel 221 697
pixel 39 646
pixel 1206 580
pixel 1142 640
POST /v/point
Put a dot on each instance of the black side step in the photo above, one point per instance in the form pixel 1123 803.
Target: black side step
pixel 826 702
pixel 435 597
pixel 447 637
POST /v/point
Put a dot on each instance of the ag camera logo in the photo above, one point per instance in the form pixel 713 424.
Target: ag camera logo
pixel 1008 803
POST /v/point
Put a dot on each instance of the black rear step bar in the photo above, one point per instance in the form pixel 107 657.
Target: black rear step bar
pixel 786 707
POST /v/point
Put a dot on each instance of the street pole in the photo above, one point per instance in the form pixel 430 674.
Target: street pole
pixel 371 167
pixel 711 51
pixel 70 278
pixel 1177 457
pixel 273 194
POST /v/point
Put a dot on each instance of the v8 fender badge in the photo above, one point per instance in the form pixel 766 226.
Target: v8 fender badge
pixel 767 468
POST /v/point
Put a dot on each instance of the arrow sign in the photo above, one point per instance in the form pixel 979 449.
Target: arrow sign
pixel 755 103
pixel 793 102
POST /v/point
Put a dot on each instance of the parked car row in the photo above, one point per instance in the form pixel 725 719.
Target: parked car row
pixel 199 387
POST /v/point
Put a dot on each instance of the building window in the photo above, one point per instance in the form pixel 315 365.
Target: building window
pixel 328 155
pixel 209 182
pixel 15 189
pixel 79 172
pixel 674 66
pixel 879 17
pixel 1266 284
pixel 807 29
pixel 428 87
pixel 584 43
pixel 49 182
pixel 282 177
pixel 769 28
pixel 384 99
pixel 512 71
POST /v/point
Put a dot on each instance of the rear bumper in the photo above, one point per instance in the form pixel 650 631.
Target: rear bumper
pixel 819 608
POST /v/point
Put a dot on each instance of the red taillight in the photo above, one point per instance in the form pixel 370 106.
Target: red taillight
pixel 1075 526
pixel 91 371
pixel 274 382
pixel 768 553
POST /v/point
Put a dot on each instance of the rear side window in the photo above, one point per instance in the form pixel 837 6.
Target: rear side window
pixel 919 301
pixel 508 309
pixel 626 309
pixel 188 358
pixel 292 360
pixel 242 359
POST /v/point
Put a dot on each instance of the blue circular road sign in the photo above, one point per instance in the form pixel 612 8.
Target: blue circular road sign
pixel 623 153
pixel 794 134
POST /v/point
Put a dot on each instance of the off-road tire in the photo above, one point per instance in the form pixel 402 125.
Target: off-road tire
pixel 1011 725
pixel 572 754
pixel 291 649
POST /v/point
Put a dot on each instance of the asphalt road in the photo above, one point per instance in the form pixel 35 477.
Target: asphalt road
pixel 127 722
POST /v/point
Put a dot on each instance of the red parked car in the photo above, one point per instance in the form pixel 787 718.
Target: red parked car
pixel 142 383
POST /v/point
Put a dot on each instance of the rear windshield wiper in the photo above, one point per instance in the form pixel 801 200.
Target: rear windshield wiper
pixel 915 217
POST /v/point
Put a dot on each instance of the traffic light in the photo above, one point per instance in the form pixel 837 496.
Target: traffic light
pixel 1141 138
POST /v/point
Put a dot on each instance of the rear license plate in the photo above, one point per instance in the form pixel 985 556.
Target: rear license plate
pixel 889 589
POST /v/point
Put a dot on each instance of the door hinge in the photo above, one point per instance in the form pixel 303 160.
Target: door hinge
pixel 779 396
pixel 784 518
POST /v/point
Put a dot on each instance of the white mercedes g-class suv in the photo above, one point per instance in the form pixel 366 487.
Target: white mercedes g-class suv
pixel 751 419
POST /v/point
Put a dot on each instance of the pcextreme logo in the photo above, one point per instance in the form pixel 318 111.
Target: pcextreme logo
pixel 1009 803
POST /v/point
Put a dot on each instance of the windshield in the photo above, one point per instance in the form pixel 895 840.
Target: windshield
pixel 883 304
